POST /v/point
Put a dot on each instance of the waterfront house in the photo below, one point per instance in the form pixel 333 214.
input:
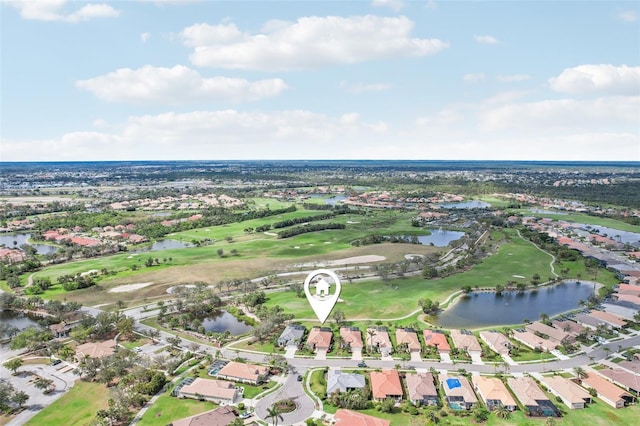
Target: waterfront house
pixel 466 341
pixel 496 341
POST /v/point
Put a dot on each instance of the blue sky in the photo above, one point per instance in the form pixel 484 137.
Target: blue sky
pixel 381 79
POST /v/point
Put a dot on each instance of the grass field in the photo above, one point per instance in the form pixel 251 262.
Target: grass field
pixel 167 409
pixel 378 300
pixel 74 408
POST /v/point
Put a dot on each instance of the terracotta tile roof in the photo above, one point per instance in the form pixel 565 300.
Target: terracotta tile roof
pixel 344 417
pixel 465 341
pixel 319 339
pixel 622 377
pixel 553 333
pixel 220 389
pixel 458 386
pixel 568 390
pixel 221 416
pixel 526 390
pixel 492 388
pixel 604 388
pixel 385 383
pixel 496 341
pixel 96 349
pixel 380 338
pixel 351 336
pixel 421 385
pixel 606 316
pixel 243 371
pixel 533 341
pixel 436 338
pixel 628 289
pixel 409 337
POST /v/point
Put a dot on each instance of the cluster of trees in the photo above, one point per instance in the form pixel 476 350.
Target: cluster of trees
pixel 9 397
pixel 357 399
pixel 299 220
pixel 192 304
pixel 78 281
pixel 272 321
pixel 297 230
pixel 377 239
pixel 428 306
pixel 12 271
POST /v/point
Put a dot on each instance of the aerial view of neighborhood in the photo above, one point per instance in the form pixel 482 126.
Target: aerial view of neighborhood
pixel 319 213
pixel 157 293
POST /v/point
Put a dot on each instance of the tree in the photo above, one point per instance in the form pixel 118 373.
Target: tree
pixel 20 397
pixel 274 414
pixel 339 317
pixel 480 414
pixel 499 289
pixel 580 372
pixel 43 383
pixel 13 365
pixel 502 412
pixel 220 252
pixel 544 318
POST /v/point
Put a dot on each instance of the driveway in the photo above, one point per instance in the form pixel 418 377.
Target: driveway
pixel 291 351
pixel 37 400
pixel 356 354
pixel 291 389
pixel 415 356
pixel 321 354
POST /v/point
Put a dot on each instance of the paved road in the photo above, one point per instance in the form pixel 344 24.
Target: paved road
pixel 291 389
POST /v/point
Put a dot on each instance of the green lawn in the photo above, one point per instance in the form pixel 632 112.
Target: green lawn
pixel 167 409
pixel 74 407
pixel 375 299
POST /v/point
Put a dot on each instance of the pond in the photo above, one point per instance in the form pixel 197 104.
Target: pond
pixel 16 319
pixel 547 211
pixel 440 237
pixel 168 244
pixel 475 204
pixel 23 238
pixel 330 199
pixel 483 309
pixel 226 322
pixel 632 238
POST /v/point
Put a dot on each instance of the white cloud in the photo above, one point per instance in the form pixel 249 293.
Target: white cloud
pixel 485 39
pixel 394 5
pixel 176 85
pixel 53 10
pixel 144 37
pixel 627 16
pixel 603 78
pixel 225 134
pixel 552 115
pixel 513 78
pixel 431 5
pixel 309 42
pixel 473 78
pixel 358 88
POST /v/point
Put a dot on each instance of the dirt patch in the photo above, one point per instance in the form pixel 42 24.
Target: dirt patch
pixel 369 258
pixel 129 287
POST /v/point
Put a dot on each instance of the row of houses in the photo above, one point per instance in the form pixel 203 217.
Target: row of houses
pixel 378 339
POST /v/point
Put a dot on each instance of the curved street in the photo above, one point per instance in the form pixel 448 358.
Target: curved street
pixel 291 389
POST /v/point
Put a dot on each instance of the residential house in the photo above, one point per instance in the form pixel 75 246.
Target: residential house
pixel 571 327
pixel 378 339
pixel 221 416
pixel 438 339
pixel 344 382
pixel 494 393
pixel 245 373
pixel 422 389
pixel 218 391
pixel 607 391
pixel 612 320
pixel 552 334
pixel 320 339
pixel 532 397
pixel 466 341
pixel 95 349
pixel 626 379
pixel 291 336
pixel 496 341
pixel 458 392
pixel 408 337
pixel 351 338
pixel 344 417
pixel 571 394
pixel 534 341
pixel 386 384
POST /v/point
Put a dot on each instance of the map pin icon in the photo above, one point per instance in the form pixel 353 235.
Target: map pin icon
pixel 321 299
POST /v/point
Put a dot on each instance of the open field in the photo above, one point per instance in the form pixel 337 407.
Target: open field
pixel 167 409
pixel 74 408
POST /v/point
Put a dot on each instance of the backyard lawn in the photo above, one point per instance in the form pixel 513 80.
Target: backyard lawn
pixel 74 408
pixel 167 409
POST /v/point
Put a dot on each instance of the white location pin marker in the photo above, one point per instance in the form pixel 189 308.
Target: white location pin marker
pixel 321 300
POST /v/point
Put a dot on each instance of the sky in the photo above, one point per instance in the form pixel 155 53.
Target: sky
pixel 382 79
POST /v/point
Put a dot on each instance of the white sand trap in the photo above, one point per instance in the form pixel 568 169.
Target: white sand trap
pixel 411 256
pixel 89 272
pixel 352 221
pixel 327 242
pixel 271 234
pixel 129 287
pixel 296 247
pixel 519 276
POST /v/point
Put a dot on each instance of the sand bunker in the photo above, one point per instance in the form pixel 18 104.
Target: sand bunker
pixel 271 234
pixel 346 261
pixel 89 272
pixel 519 276
pixel 411 256
pixel 128 287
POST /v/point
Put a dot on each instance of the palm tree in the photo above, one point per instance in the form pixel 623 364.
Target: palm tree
pixel 580 372
pixel 273 413
pixel 371 332
pixel 502 412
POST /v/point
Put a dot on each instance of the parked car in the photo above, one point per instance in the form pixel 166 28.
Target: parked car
pixel 362 364
pixel 245 414
pixel 299 378
pixel 56 362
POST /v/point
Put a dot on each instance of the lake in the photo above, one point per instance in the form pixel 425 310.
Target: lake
pixel 226 322
pixel 475 204
pixel 16 319
pixel 632 238
pixel 440 237
pixel 168 244
pixel 330 199
pixel 23 238
pixel 482 309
